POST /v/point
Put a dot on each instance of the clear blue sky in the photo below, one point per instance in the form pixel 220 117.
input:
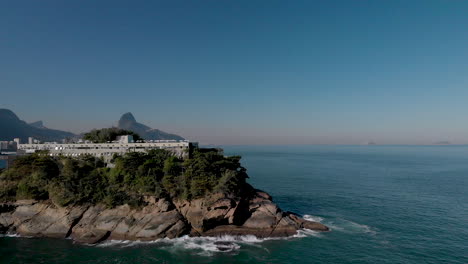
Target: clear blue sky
pixel 242 72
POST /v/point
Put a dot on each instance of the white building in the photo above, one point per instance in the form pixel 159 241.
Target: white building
pixel 124 144
pixel 7 146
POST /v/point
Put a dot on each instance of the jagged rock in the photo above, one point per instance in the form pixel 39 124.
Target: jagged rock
pixel 164 205
pixel 51 222
pixel 178 229
pixel 264 195
pixel 39 219
pixel 148 223
pixel 204 214
pixel 261 219
pixel 150 199
pixel 308 224
pixel 251 214
pixel 156 225
pixel 85 231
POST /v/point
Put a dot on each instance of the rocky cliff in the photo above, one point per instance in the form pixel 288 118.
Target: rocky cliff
pixel 215 215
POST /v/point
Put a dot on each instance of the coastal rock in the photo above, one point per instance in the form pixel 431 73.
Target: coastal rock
pixel 97 223
pixel 204 214
pixel 51 222
pixel 148 223
pixel 40 219
pixel 307 224
pixel 253 213
pixel 257 215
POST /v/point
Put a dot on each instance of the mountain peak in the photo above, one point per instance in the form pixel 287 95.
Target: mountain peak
pixel 7 114
pixel 12 127
pixel 128 117
pixel 128 122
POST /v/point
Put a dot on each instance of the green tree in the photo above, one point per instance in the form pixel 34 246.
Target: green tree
pixel 108 134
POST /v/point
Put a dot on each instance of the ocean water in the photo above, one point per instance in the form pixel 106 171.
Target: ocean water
pixel 384 204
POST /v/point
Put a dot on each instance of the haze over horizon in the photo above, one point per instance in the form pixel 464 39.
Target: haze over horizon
pixel 244 72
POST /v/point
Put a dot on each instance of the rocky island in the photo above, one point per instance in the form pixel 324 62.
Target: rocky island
pixel 141 196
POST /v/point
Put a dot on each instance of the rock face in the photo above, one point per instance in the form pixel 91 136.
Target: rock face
pixel 160 218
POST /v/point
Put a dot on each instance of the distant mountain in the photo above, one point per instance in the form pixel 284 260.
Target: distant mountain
pixel 128 122
pixel 38 124
pixel 12 127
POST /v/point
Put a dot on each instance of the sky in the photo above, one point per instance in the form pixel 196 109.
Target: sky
pixel 242 72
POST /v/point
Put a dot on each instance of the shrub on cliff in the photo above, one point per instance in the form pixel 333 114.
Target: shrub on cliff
pixel 108 134
pixel 207 171
pixel 86 179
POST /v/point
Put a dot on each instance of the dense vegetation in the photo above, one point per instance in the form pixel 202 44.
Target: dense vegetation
pixel 108 134
pixel 86 179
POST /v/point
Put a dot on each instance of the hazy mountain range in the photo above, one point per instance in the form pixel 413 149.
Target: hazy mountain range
pixel 128 122
pixel 12 127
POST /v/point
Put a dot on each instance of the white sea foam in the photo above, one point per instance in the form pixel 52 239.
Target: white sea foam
pixel 205 245
pixel 341 225
pixel 313 218
pixel 347 226
pixel 307 233
pixel 334 227
pixel 111 243
pixel 11 235
pixel 210 245
pixel 361 228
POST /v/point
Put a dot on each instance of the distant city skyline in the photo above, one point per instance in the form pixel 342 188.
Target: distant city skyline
pixel 243 72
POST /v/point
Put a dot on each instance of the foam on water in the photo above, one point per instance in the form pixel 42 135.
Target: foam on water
pixel 361 228
pixel 11 235
pixel 313 218
pixel 205 245
pixel 112 243
pixel 342 225
pixel 307 233
pixel 226 243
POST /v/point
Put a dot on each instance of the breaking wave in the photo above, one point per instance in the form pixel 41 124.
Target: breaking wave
pixel 307 233
pixel 208 246
pixel 313 218
pixel 11 235
pixel 353 226
pixel 342 225
pixel 204 245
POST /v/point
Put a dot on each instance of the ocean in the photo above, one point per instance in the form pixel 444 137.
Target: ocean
pixel 384 204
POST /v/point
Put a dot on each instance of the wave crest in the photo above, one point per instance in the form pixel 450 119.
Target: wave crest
pixel 205 245
pixel 342 225
pixel 313 218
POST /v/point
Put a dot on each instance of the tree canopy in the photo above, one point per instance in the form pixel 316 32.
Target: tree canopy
pixel 87 179
pixel 108 134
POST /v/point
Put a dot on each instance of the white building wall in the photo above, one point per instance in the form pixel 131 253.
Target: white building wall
pixel 179 148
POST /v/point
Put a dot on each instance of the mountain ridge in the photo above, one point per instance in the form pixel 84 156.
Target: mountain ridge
pixel 128 122
pixel 12 127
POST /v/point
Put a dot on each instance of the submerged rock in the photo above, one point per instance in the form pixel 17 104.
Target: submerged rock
pixel 215 215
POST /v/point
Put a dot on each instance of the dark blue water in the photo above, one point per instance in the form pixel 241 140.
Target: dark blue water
pixel 385 204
